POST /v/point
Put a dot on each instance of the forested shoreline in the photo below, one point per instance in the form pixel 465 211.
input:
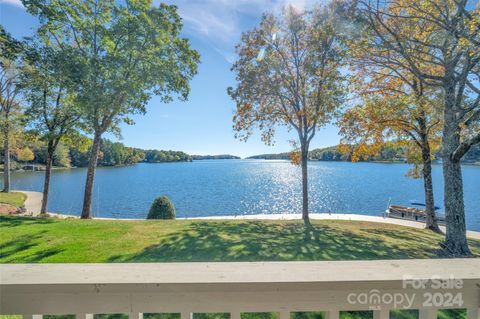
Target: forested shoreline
pixel 75 153
pixel 213 157
pixel 388 153
pixel 34 156
pixel 31 153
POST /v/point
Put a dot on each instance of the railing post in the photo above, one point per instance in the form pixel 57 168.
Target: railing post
pixel 381 314
pixel 473 313
pixel 234 315
pixel 84 316
pixel 428 313
pixel 332 314
pixel 29 316
pixel 284 314
pixel 186 315
pixel 135 315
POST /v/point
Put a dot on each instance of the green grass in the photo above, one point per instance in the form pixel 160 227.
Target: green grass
pixel 452 314
pixel 356 314
pixel 14 198
pixel 404 314
pixel 29 240
pixel 258 315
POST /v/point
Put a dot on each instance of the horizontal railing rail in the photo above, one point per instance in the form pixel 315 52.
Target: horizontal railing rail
pixel 33 290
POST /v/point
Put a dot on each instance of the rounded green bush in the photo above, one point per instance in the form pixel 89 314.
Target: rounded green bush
pixel 162 208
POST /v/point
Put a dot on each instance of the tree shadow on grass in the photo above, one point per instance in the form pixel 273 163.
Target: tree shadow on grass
pixel 26 247
pixel 474 246
pixel 268 241
pixel 429 239
pixel 13 221
pixel 404 234
pixel 19 244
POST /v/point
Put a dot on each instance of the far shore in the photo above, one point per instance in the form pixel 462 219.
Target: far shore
pixel 41 167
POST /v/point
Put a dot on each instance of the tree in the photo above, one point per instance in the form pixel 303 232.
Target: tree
pixel 405 121
pixel 128 53
pixel 439 42
pixel 25 154
pixel 61 157
pixel 10 50
pixel 49 79
pixel 79 150
pixel 288 74
pixel 395 104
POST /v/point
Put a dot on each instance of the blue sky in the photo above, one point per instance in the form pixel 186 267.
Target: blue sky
pixel 203 124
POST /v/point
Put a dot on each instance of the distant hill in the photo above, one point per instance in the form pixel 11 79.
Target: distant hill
pixel 387 154
pixel 319 154
pixel 279 156
pixel 210 157
pixel 473 156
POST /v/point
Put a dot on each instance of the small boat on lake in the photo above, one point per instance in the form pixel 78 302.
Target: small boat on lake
pixel 412 213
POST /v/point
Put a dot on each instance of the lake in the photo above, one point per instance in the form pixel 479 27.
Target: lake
pixel 236 187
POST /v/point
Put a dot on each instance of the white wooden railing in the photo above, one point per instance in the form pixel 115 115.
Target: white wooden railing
pixel 284 287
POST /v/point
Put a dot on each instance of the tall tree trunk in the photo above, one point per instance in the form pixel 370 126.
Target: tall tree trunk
pixel 431 218
pixel 48 172
pixel 6 159
pixel 304 156
pixel 456 239
pixel 456 236
pixel 92 165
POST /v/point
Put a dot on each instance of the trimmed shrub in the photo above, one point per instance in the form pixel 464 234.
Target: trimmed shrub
pixel 162 208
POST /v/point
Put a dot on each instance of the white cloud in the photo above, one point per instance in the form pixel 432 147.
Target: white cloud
pixel 299 5
pixel 16 3
pixel 222 21
pixel 218 19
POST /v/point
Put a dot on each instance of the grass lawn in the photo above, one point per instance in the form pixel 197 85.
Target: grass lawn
pixel 14 198
pixel 28 240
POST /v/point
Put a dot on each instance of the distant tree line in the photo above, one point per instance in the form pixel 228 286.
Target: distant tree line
pixel 277 156
pixel 213 157
pixel 332 153
pixel 75 152
pixel 156 156
pixel 473 155
pixel 69 154
pixel 387 153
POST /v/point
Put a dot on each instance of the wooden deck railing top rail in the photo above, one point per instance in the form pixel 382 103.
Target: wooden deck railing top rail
pixel 283 287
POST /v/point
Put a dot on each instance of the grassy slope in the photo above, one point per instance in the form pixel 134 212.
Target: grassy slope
pixel 50 240
pixel 24 240
pixel 15 199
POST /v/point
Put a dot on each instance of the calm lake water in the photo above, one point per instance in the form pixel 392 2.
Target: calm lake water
pixel 236 187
